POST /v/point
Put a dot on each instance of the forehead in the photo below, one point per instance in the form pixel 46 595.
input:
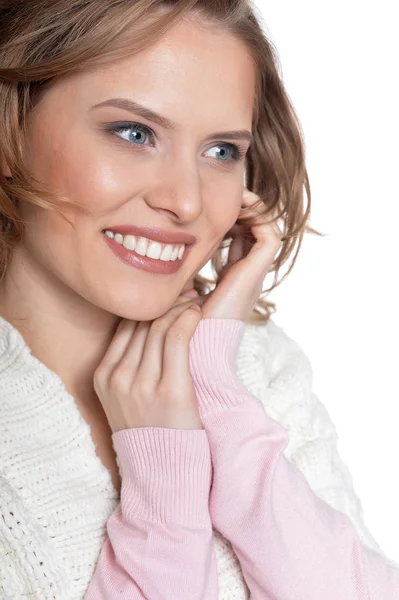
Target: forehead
pixel 192 74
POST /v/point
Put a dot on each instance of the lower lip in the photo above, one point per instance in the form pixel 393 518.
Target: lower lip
pixel 144 262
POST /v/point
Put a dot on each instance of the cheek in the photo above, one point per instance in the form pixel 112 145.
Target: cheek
pixel 224 212
pixel 94 179
pixel 85 169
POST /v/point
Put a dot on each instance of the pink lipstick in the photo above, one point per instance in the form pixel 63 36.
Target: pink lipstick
pixel 130 257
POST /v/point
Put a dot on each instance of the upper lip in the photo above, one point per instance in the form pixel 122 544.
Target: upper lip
pixel 154 233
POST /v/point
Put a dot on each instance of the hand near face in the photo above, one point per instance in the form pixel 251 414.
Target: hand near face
pixel 143 379
pixel 251 254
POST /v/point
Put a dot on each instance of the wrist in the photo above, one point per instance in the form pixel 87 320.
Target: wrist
pixel 213 354
pixel 166 474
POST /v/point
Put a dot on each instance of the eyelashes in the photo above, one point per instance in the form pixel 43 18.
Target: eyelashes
pixel 238 153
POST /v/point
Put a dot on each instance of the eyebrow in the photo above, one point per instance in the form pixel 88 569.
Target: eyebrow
pixel 147 113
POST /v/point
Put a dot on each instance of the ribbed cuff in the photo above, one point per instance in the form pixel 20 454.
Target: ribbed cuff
pixel 166 474
pixel 213 353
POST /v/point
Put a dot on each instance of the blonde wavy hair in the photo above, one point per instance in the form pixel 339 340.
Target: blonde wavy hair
pixel 42 41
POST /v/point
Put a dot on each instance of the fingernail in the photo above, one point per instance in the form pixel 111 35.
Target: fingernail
pixel 191 293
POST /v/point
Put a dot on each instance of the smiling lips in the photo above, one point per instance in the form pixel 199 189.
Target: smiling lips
pixel 146 263
pixel 150 248
pixel 154 233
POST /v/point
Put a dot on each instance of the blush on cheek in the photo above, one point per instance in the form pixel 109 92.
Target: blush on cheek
pixel 103 184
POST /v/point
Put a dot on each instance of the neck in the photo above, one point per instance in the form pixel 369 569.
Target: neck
pixel 64 331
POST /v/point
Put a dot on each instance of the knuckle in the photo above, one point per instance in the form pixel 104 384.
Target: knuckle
pixel 275 238
pixel 165 391
pixel 98 385
pixel 143 388
pixel 100 376
pixel 120 377
pixel 276 242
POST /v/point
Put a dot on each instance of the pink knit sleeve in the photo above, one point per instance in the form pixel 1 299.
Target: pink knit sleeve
pixel 290 543
pixel 159 543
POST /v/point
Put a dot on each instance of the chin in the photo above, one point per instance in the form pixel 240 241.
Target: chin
pixel 141 310
pixel 130 303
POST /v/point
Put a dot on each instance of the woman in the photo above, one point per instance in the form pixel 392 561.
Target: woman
pixel 112 387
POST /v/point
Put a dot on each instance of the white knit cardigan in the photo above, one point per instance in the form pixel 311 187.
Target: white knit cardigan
pixel 56 495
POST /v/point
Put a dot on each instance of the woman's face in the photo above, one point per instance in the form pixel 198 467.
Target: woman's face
pixel 182 180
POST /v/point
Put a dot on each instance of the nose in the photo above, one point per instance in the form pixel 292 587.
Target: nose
pixel 177 192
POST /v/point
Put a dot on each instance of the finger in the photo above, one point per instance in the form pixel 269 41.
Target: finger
pixel 145 353
pixel 252 205
pixel 202 299
pixel 265 228
pixel 264 251
pixel 118 345
pixel 236 250
pixel 130 361
pixel 177 345
pixel 121 341
pixel 255 208
pixel 236 253
pixel 277 230
pixel 139 332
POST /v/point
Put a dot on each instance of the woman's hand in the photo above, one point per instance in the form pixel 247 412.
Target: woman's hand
pixel 240 285
pixel 143 379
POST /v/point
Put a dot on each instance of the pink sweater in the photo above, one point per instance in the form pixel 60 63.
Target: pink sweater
pixel 291 545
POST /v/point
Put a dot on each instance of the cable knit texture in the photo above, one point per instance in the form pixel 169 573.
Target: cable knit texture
pixel 57 498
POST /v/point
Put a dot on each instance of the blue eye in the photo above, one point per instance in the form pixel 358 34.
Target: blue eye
pixel 225 149
pixel 137 132
pixel 133 128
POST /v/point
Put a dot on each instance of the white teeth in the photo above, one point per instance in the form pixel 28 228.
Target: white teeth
pixel 174 253
pixel 154 249
pixel 129 242
pixel 166 252
pixel 146 247
pixel 141 247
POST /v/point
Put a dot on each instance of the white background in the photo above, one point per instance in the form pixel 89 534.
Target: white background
pixel 340 65
pixel 340 303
